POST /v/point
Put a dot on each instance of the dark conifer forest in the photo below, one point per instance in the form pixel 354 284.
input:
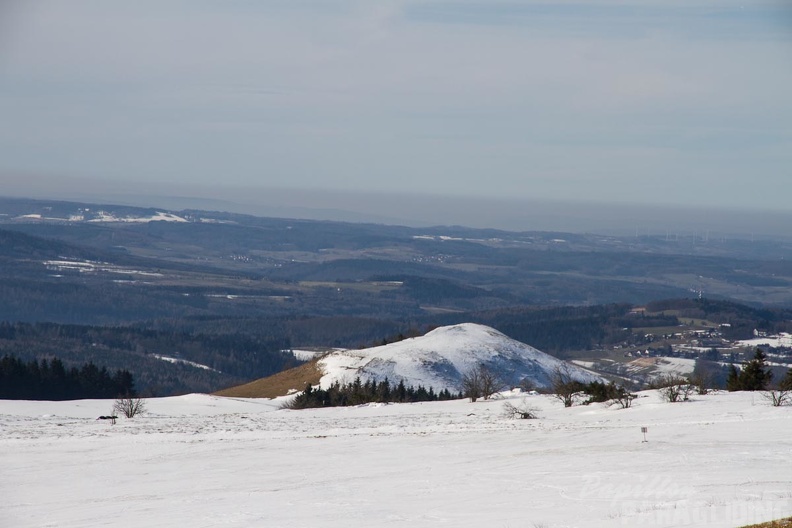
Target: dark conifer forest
pixel 50 380
pixel 370 391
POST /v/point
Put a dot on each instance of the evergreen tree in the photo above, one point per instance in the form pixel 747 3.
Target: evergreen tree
pixel 755 376
pixel 51 381
pixel 124 383
pixel 384 391
pixel 733 379
pixel 356 393
pixel 401 392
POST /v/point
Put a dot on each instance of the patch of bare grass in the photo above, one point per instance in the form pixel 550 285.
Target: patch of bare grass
pixel 781 523
pixel 279 384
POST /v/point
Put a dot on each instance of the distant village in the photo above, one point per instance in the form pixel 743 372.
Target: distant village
pixel 710 344
pixel 647 357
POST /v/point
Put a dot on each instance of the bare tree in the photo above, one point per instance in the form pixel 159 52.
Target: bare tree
pixel 129 406
pixel 564 386
pixel 701 381
pixel 480 382
pixel 522 411
pixel 527 385
pixel 471 384
pixel 674 388
pixel 490 382
pixel 782 393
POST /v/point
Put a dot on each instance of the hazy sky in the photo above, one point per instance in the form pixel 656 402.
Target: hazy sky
pixel 683 102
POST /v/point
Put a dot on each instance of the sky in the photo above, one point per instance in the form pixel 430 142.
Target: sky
pixel 664 102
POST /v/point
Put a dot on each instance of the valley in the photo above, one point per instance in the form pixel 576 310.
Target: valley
pixel 210 291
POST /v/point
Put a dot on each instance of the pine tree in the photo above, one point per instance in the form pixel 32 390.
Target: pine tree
pixel 401 392
pixel 733 379
pixel 124 383
pixel 754 376
pixel 384 391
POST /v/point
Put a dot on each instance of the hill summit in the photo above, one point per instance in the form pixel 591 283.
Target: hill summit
pixel 443 356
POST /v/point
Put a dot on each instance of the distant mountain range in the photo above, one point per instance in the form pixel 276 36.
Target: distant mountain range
pixel 61 258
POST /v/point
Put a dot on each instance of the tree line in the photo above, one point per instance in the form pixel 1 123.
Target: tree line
pixel 232 358
pixel 50 380
pixel 755 376
pixel 370 391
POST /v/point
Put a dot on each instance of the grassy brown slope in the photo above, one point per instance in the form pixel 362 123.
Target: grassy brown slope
pixel 278 384
pixel 783 523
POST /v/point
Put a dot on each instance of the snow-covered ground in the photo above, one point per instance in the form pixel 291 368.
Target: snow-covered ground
pixel 642 370
pixel 722 460
pixel 777 341
pixel 308 355
pixel 657 367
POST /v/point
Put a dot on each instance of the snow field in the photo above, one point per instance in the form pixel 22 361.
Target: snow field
pixel 722 460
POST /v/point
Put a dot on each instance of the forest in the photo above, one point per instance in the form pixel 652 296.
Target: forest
pixel 51 380
pixel 157 358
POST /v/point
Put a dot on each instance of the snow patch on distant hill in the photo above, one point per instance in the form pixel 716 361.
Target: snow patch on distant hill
pixel 102 216
pixel 215 221
pixel 36 216
pixel 782 340
pixel 184 362
pixel 653 368
pixel 440 359
pixel 88 266
pixel 308 355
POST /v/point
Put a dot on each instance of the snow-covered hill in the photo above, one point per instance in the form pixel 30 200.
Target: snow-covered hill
pixel 440 358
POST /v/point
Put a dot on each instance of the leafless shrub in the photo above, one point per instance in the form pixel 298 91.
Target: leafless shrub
pixel 701 381
pixel 522 411
pixel 129 406
pixel 564 386
pixel 778 397
pixel 624 398
pixel 674 388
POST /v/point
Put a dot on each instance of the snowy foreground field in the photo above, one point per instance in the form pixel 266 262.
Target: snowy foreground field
pixel 724 460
